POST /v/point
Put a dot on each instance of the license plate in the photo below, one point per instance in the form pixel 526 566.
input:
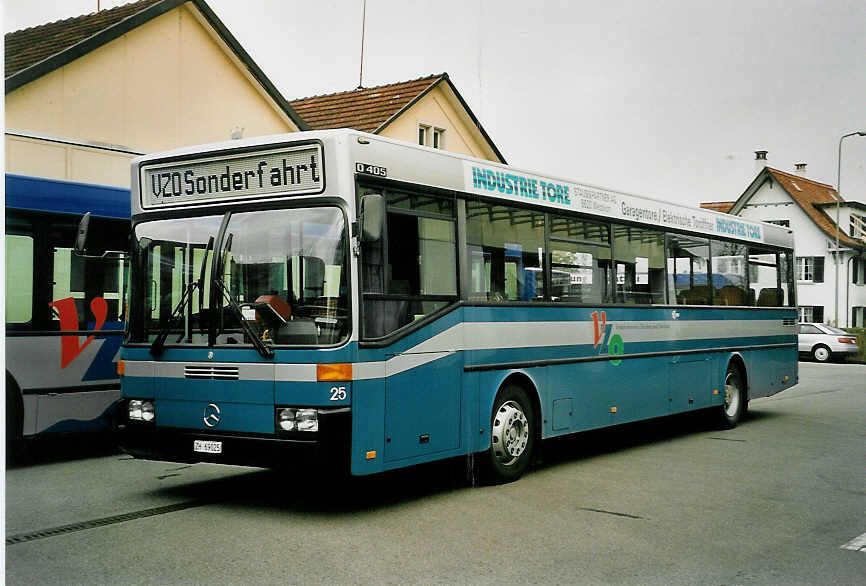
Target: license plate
pixel 207 447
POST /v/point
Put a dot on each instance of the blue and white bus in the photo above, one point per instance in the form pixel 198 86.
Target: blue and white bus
pixel 343 298
pixel 63 312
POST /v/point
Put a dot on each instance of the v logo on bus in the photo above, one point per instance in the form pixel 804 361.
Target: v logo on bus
pixel 68 314
pixel 603 341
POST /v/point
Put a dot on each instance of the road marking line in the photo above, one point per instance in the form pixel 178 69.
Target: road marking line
pixel 856 544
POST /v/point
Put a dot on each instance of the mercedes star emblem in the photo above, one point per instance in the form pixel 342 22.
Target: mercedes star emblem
pixel 211 415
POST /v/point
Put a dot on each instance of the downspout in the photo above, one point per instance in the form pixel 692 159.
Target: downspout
pixel 848 284
pixel 848 288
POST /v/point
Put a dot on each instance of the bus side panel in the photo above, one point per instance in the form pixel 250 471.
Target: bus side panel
pixel 75 412
pixel 489 383
pixel 55 398
pixel 590 395
pixel 770 371
pixel 368 426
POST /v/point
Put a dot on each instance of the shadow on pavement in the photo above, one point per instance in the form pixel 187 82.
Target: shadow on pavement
pixel 61 448
pixel 317 492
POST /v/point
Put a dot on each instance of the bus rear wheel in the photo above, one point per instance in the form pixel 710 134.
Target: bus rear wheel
pixel 512 436
pixel 734 407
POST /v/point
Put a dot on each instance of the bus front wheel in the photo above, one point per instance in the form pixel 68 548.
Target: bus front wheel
pixel 16 448
pixel 734 407
pixel 512 436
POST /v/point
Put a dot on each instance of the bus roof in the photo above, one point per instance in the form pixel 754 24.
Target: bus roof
pixel 66 197
pixel 414 164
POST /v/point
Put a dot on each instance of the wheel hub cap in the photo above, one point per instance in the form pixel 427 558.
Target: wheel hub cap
pixel 510 432
pixel 732 397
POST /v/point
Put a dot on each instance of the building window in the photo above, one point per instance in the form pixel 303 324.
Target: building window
pixel 810 268
pixel 858 317
pixel 858 271
pixel 857 226
pixel 431 136
pixel 785 223
pixel 811 313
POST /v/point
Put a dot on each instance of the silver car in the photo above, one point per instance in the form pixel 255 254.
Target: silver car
pixel 824 343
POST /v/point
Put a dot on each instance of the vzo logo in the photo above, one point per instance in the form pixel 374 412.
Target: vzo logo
pixel 603 341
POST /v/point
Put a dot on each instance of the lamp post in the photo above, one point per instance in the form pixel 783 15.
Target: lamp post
pixel 838 198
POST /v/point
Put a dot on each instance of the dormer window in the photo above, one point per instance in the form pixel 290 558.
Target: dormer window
pixel 431 136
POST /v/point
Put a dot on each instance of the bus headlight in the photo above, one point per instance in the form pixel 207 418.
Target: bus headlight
pixel 307 420
pixel 141 410
pixel 293 419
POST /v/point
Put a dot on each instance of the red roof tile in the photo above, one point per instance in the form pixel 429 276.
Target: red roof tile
pixel 29 46
pixel 365 109
pixel 809 195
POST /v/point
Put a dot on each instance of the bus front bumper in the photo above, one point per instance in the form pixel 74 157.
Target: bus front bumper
pixel 329 447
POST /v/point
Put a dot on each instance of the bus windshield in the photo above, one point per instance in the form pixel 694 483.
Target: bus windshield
pixel 277 275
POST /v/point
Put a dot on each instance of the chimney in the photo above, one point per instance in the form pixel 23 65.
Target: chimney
pixel 760 161
pixel 800 169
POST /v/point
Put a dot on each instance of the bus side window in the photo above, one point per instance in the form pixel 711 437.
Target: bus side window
pixel 412 270
pixel 506 253
pixel 84 279
pixel 688 270
pixel 764 278
pixel 580 261
pixel 19 288
pixel 730 278
pixel 640 265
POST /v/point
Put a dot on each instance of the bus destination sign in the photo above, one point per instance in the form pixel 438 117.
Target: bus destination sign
pixel 287 171
pixel 553 193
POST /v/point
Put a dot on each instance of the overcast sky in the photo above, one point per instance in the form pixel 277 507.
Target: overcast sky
pixel 665 98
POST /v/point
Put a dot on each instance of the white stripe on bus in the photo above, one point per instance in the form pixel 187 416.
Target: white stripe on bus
pixel 489 336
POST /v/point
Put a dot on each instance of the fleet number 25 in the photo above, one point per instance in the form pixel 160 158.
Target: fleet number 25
pixel 338 393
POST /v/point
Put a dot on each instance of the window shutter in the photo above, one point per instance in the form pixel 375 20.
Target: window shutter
pixel 855 271
pixel 818 272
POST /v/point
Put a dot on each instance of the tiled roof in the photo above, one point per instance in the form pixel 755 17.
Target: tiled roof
pixel 718 206
pixel 809 195
pixel 365 109
pixel 32 45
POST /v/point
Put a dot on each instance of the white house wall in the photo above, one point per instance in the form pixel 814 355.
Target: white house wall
pixel 772 202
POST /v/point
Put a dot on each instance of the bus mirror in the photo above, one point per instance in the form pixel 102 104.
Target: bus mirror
pixel 372 217
pixel 81 235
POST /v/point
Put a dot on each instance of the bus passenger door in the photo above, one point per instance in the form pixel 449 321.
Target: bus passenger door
pixel 422 404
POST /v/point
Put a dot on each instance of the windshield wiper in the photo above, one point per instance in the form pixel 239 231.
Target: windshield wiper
pixel 260 346
pixel 264 350
pixel 201 321
pixel 158 346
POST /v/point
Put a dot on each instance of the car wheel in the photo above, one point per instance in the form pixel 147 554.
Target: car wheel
pixel 512 437
pixel 734 407
pixel 821 354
